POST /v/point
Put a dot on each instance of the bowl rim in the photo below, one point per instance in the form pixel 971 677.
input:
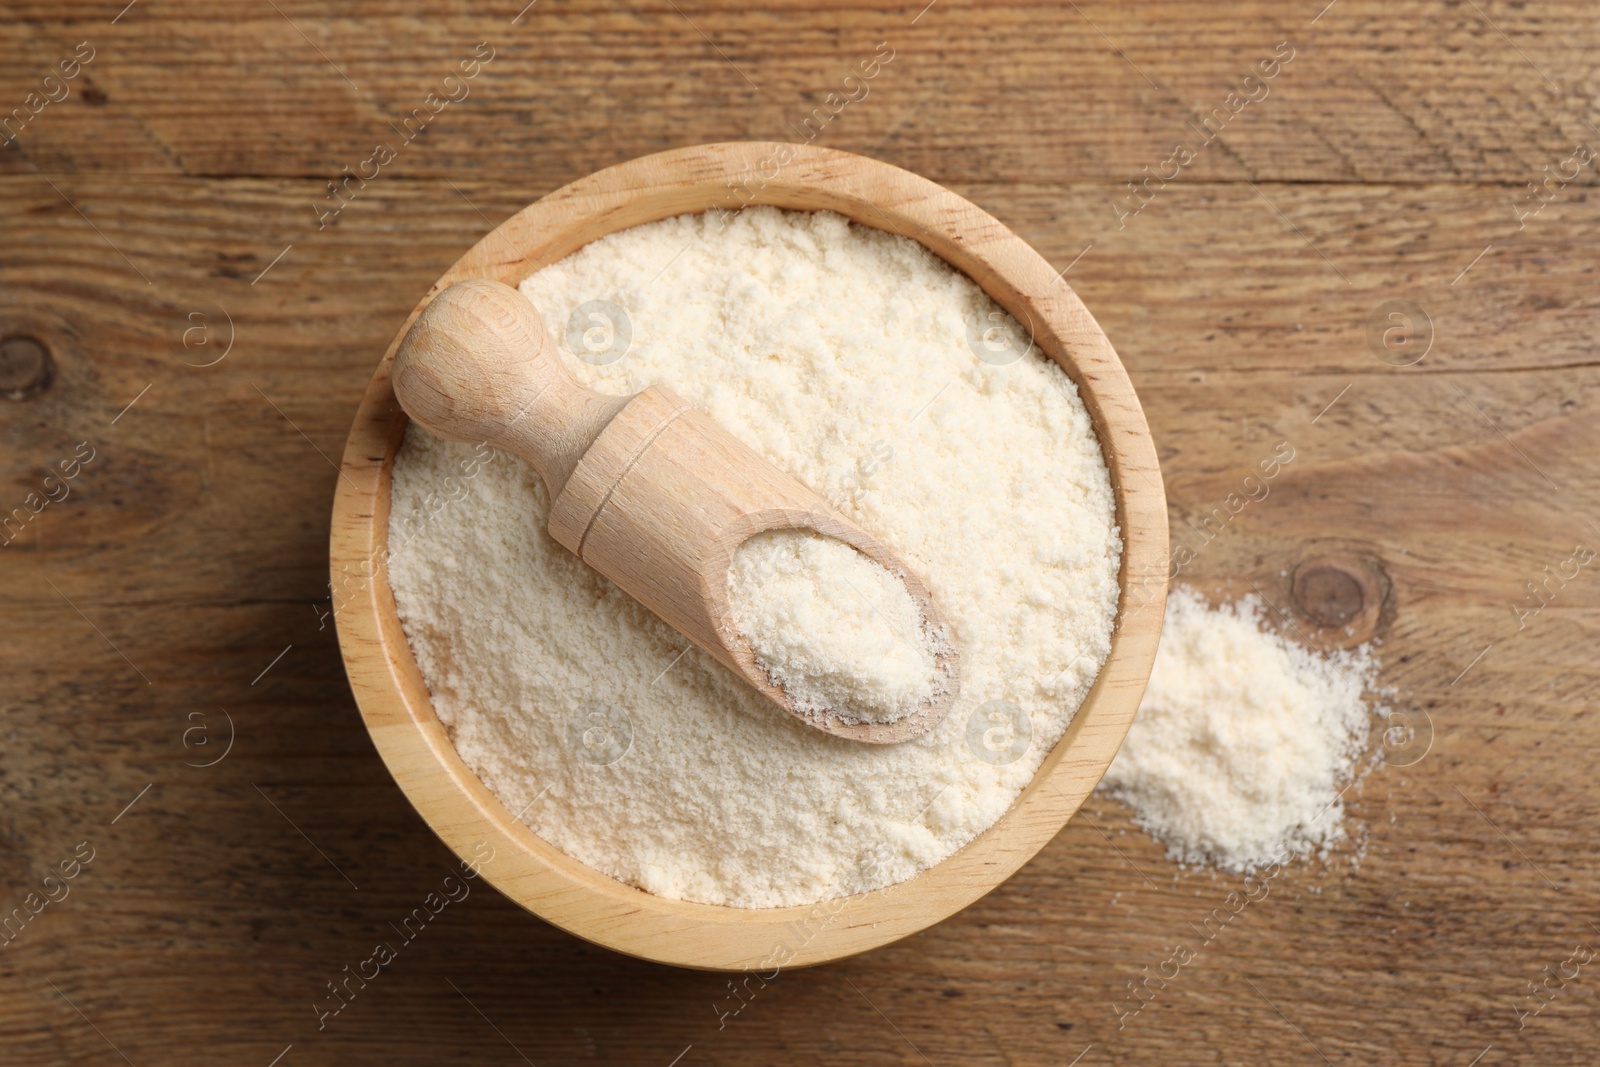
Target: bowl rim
pixel 394 700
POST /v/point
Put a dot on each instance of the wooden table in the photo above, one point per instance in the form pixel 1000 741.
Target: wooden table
pixel 169 204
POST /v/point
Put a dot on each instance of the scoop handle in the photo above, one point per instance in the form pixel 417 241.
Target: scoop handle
pixel 477 365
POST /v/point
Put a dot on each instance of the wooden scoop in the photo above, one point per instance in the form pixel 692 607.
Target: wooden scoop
pixel 646 490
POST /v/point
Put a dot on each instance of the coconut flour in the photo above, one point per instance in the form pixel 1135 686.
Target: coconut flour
pixel 843 355
pixel 833 629
pixel 1245 740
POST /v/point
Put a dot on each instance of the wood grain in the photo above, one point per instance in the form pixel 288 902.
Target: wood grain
pixel 206 926
pixel 1010 92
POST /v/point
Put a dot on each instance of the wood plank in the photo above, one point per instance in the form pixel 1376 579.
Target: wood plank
pixel 1014 92
pixel 185 572
pixel 194 543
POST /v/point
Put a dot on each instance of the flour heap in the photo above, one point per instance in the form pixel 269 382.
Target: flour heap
pixel 841 354
pixel 1245 740
pixel 833 629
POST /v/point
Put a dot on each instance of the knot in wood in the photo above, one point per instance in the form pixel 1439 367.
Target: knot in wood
pixel 25 367
pixel 1341 595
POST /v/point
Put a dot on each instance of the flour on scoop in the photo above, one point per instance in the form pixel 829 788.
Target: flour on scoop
pixel 837 632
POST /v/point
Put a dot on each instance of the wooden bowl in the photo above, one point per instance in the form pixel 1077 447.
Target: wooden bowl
pixel 395 702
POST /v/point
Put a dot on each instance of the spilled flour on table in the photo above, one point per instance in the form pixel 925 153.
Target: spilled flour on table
pixel 1245 740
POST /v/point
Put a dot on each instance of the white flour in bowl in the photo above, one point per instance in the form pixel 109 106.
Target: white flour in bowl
pixel 841 354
